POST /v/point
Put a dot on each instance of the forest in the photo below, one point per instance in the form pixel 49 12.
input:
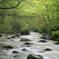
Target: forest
pixel 22 16
pixel 29 29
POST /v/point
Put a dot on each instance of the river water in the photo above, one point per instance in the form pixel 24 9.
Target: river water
pixel 36 47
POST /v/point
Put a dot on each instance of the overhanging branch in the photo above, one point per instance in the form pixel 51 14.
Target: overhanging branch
pixel 11 7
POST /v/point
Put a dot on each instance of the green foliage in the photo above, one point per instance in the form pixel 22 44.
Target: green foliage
pixel 24 31
pixel 34 15
pixel 58 39
pixel 55 35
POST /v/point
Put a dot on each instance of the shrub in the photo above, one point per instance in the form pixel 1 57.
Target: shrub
pixel 55 35
pixel 24 31
pixel 43 29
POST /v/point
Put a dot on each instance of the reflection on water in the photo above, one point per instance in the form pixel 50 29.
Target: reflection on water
pixel 36 47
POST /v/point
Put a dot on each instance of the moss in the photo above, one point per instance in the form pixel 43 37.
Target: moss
pixel 14 52
pixel 30 56
pixel 7 47
pixel 24 49
pixel 25 39
pixel 42 41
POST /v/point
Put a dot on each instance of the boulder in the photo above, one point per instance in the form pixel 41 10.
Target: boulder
pixel 27 43
pixel 7 47
pixel 34 56
pixel 25 39
pixel 24 49
pixel 14 52
pixel 47 49
pixel 42 41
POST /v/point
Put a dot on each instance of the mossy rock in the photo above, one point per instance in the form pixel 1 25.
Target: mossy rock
pixel 24 49
pixel 27 43
pixel 25 39
pixel 7 47
pixel 47 49
pixel 14 52
pixel 0 35
pixel 24 33
pixel 42 41
pixel 34 56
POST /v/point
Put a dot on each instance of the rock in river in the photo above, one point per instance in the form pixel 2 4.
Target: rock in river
pixel 14 52
pixel 42 41
pixel 7 47
pixel 24 39
pixel 34 56
pixel 47 49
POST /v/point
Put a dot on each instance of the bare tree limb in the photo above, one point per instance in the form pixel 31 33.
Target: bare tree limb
pixel 11 7
pixel 2 1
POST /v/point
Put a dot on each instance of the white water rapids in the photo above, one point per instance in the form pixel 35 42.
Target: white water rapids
pixel 36 47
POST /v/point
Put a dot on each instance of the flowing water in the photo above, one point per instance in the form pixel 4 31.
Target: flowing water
pixel 35 48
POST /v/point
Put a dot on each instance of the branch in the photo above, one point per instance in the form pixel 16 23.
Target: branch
pixel 11 7
pixel 2 1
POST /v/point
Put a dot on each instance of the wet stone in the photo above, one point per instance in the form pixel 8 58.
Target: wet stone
pixel 7 47
pixel 25 39
pixel 15 56
pixel 34 56
pixel 42 41
pixel 47 49
pixel 14 52
pixel 28 43
pixel 24 49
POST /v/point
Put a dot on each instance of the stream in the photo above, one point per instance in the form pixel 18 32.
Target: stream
pixel 36 47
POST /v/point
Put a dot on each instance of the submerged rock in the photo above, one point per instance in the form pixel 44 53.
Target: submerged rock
pixel 16 56
pixel 42 41
pixel 8 37
pixel 47 49
pixel 25 39
pixel 34 56
pixel 24 49
pixel 27 43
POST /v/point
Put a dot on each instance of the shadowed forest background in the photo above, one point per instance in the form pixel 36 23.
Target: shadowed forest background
pixel 30 15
